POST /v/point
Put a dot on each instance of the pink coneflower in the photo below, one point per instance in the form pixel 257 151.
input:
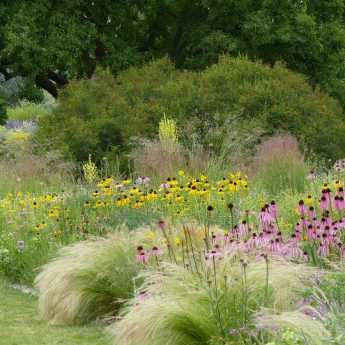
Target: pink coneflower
pixel 341 249
pixel 298 234
pixel 213 254
pixel 311 212
pixel 305 257
pixel 324 202
pixel 143 296
pixel 311 176
pixel 265 218
pixel 311 233
pixel 142 180
pixel 252 242
pixel 165 186
pixel 261 241
pixel 275 246
pixel 294 251
pixel 155 251
pixel 323 250
pixel 142 257
pixel 162 225
pixel 243 229
pixel 301 207
pixel 339 203
pixel 298 227
pixel 273 209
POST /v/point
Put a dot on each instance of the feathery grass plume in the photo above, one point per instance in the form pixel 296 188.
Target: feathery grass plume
pixel 180 308
pixel 87 280
pixel 278 165
pixel 311 330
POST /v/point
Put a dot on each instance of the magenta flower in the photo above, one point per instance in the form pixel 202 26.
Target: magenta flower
pixel 301 207
pixel 213 254
pixel 165 186
pixel 275 246
pixel 311 176
pixel 243 229
pixel 273 210
pixel 143 296
pixel 162 224
pixel 265 218
pixel 324 202
pixel 142 257
pixel 156 251
pixel 252 242
pixel 311 233
pixel 295 251
pixel 323 250
pixel 311 212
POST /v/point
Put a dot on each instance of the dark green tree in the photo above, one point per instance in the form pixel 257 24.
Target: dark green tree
pixel 51 42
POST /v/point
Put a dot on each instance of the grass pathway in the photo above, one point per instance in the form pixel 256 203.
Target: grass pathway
pixel 20 324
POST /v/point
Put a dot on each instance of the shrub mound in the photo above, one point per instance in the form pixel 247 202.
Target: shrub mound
pixel 102 115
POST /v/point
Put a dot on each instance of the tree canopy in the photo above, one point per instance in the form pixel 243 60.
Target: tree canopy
pixel 51 42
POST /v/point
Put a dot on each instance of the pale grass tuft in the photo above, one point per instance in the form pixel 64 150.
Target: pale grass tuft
pixel 179 308
pixel 312 330
pixel 87 280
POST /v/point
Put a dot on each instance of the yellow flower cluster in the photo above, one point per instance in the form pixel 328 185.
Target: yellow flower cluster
pixel 29 211
pixel 178 194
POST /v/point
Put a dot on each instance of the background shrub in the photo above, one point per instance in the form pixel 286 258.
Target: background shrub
pixel 27 111
pixel 100 116
pixel 3 113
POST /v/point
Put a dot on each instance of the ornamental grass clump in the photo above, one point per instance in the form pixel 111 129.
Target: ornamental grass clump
pixel 87 280
pixel 218 305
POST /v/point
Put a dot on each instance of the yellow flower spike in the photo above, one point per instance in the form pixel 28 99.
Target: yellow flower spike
pixel 168 134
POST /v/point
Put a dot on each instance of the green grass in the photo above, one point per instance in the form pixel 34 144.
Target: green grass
pixel 20 324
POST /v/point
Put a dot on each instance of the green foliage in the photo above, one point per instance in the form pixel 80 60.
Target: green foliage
pixel 27 111
pixel 3 111
pixel 90 116
pixel 20 324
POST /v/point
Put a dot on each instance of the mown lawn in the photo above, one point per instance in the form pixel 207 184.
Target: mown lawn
pixel 20 324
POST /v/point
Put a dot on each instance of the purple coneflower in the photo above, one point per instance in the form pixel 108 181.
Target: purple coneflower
pixel 311 176
pixel 301 207
pixel 156 251
pixel 162 225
